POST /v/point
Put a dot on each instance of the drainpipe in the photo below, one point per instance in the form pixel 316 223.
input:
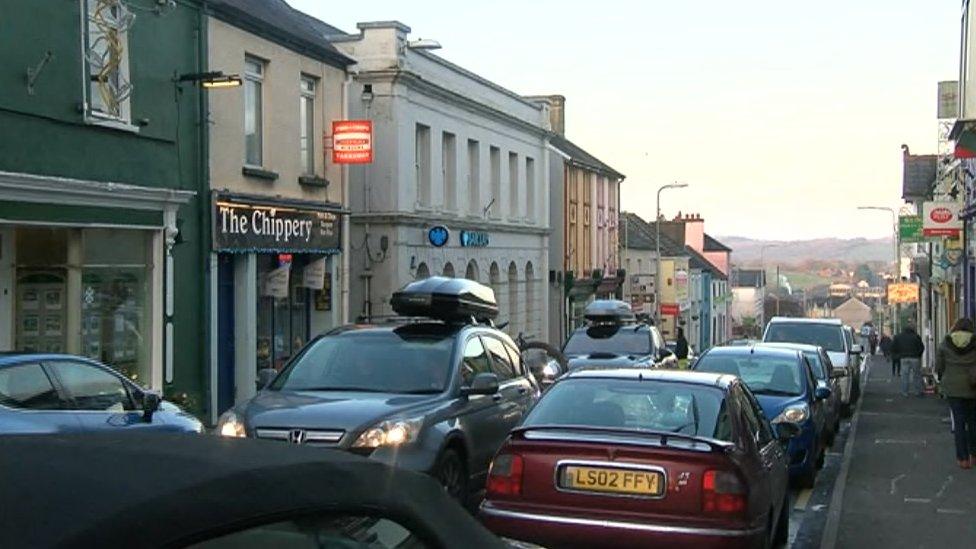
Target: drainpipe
pixel 344 269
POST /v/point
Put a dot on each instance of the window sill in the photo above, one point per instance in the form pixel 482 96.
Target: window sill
pixel 313 181
pixel 111 123
pixel 259 173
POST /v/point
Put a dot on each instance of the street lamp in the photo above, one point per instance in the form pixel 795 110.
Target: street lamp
pixel 657 244
pixel 894 240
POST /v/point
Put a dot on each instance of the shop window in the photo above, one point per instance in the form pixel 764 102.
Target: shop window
pixel 283 308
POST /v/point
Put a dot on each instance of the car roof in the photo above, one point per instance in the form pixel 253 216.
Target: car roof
pixel 797 320
pixel 806 347
pixel 643 374
pixel 136 489
pixel 17 357
pixel 757 349
pixel 413 326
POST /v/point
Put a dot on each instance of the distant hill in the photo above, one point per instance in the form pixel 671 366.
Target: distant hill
pixel 854 250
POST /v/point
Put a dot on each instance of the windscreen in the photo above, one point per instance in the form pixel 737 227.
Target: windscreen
pixel 816 365
pixel 631 404
pixel 830 337
pixel 771 375
pixel 617 340
pixel 375 362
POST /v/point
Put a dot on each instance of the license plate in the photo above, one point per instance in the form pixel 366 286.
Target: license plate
pixel 612 480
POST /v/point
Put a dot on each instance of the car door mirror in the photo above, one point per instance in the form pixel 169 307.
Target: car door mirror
pixel 482 384
pixel 838 373
pixel 786 431
pixel 857 349
pixel 150 404
pixel 822 393
pixel 265 377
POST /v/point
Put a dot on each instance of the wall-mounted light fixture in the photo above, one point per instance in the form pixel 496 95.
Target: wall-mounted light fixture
pixel 212 79
pixel 421 44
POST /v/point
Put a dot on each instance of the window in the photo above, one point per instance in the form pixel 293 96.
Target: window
pixel 28 387
pixel 530 188
pixel 513 185
pixel 92 388
pixel 422 164
pixel 253 111
pixel 749 414
pixel 516 358
pixel 513 299
pixel 474 177
pixel 495 160
pixel 422 271
pixel 471 272
pixel 338 530
pixel 501 364
pixel 609 338
pixel 449 169
pixel 449 270
pixel 107 58
pixel 475 361
pixel 306 107
pixel 765 432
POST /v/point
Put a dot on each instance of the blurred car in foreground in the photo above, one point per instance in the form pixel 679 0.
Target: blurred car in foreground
pixel 640 458
pixel 211 493
pixel 782 381
pixel 57 393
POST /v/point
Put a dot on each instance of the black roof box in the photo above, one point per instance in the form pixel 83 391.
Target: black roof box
pixel 609 310
pixel 446 299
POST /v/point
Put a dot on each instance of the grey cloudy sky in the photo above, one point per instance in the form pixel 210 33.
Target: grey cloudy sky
pixel 782 116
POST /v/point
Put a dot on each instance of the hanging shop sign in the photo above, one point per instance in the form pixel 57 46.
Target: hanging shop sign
pixel 474 239
pixel 352 141
pixel 681 285
pixel 244 225
pixel 438 236
pixel 670 309
pixel 941 219
pixel 910 229
pixel 313 276
pixel 276 283
pixel 903 292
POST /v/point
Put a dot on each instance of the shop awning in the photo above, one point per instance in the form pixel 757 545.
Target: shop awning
pixel 964 134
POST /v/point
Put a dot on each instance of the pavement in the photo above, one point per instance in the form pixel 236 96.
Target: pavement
pixel 898 484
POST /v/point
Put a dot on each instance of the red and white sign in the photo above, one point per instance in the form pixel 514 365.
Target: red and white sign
pixel 941 219
pixel 670 309
pixel 352 141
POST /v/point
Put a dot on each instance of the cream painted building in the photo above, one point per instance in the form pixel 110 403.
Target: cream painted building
pixel 278 203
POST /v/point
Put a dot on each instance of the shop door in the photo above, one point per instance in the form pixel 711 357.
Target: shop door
pixel 225 332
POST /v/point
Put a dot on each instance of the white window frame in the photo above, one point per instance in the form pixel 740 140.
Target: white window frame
pixel 308 89
pixel 97 115
pixel 255 78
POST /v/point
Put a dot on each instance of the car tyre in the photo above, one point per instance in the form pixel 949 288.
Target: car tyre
pixel 451 473
pixel 809 476
pixel 782 533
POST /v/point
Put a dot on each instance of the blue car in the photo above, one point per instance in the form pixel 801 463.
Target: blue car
pixel 56 393
pixel 785 386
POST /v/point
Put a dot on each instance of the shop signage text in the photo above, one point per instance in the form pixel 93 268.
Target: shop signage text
pixel 670 309
pixel 910 228
pixel 941 219
pixel 474 239
pixel 352 141
pixel 903 292
pixel 246 226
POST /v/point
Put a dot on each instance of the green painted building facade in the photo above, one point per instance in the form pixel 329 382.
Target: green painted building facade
pixel 104 221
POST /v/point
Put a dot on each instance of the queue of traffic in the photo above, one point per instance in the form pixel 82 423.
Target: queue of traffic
pixel 604 440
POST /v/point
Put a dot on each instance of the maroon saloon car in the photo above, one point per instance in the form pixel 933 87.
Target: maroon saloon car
pixel 633 457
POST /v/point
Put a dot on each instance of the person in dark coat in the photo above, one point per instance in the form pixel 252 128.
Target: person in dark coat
pixel 908 348
pixel 885 344
pixel 954 361
pixel 681 345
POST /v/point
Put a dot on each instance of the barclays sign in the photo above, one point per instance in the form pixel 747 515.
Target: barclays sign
pixel 474 239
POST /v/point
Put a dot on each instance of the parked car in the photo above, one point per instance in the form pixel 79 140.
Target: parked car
pixel 614 338
pixel 826 376
pixel 854 343
pixel 783 382
pixel 58 393
pixel 640 458
pixel 830 334
pixel 212 493
pixel 435 396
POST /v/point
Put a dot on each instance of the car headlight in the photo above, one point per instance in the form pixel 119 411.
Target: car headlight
pixel 795 413
pixel 230 425
pixel 395 432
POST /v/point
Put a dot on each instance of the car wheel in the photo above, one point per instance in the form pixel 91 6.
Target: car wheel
pixel 782 534
pixel 809 476
pixel 452 474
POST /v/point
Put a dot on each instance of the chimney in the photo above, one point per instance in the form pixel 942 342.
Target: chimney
pixel 557 110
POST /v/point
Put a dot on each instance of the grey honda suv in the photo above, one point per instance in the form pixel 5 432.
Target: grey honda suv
pixel 434 396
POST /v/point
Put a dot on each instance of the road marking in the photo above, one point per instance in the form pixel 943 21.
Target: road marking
pixel 802 499
pixel 917 500
pixel 898 414
pixel 923 442
pixel 894 483
pixel 952 511
pixel 945 485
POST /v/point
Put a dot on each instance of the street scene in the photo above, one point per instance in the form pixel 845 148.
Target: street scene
pixel 289 273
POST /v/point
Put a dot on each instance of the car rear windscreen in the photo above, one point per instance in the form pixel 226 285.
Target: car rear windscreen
pixel 634 405
pixel 610 339
pixel 828 336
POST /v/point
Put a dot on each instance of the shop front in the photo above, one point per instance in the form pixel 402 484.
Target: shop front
pixel 276 269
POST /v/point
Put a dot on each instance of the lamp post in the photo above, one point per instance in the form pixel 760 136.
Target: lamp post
pixel 657 245
pixel 894 239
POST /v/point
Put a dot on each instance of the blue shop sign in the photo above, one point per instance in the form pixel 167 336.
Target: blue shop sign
pixel 438 235
pixel 474 239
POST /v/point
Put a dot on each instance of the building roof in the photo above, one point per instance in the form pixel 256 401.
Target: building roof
pixel 639 234
pixel 712 245
pixel 698 261
pixel 283 24
pixel 748 278
pixel 581 158
pixel 918 176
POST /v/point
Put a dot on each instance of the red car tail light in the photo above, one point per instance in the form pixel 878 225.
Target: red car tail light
pixel 505 476
pixel 723 493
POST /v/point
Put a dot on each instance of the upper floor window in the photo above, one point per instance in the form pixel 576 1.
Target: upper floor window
pixel 513 185
pixel 530 188
pixel 106 50
pixel 422 163
pixel 306 107
pixel 253 112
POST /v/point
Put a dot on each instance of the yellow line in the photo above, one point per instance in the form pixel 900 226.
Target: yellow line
pixel 802 499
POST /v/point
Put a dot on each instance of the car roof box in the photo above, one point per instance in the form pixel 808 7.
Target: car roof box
pixel 445 298
pixel 609 310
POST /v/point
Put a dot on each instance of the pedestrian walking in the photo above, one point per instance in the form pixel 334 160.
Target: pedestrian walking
pixel 885 345
pixel 681 349
pixel 907 349
pixel 955 364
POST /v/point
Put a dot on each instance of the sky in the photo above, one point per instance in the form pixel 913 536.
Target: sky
pixel 782 117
